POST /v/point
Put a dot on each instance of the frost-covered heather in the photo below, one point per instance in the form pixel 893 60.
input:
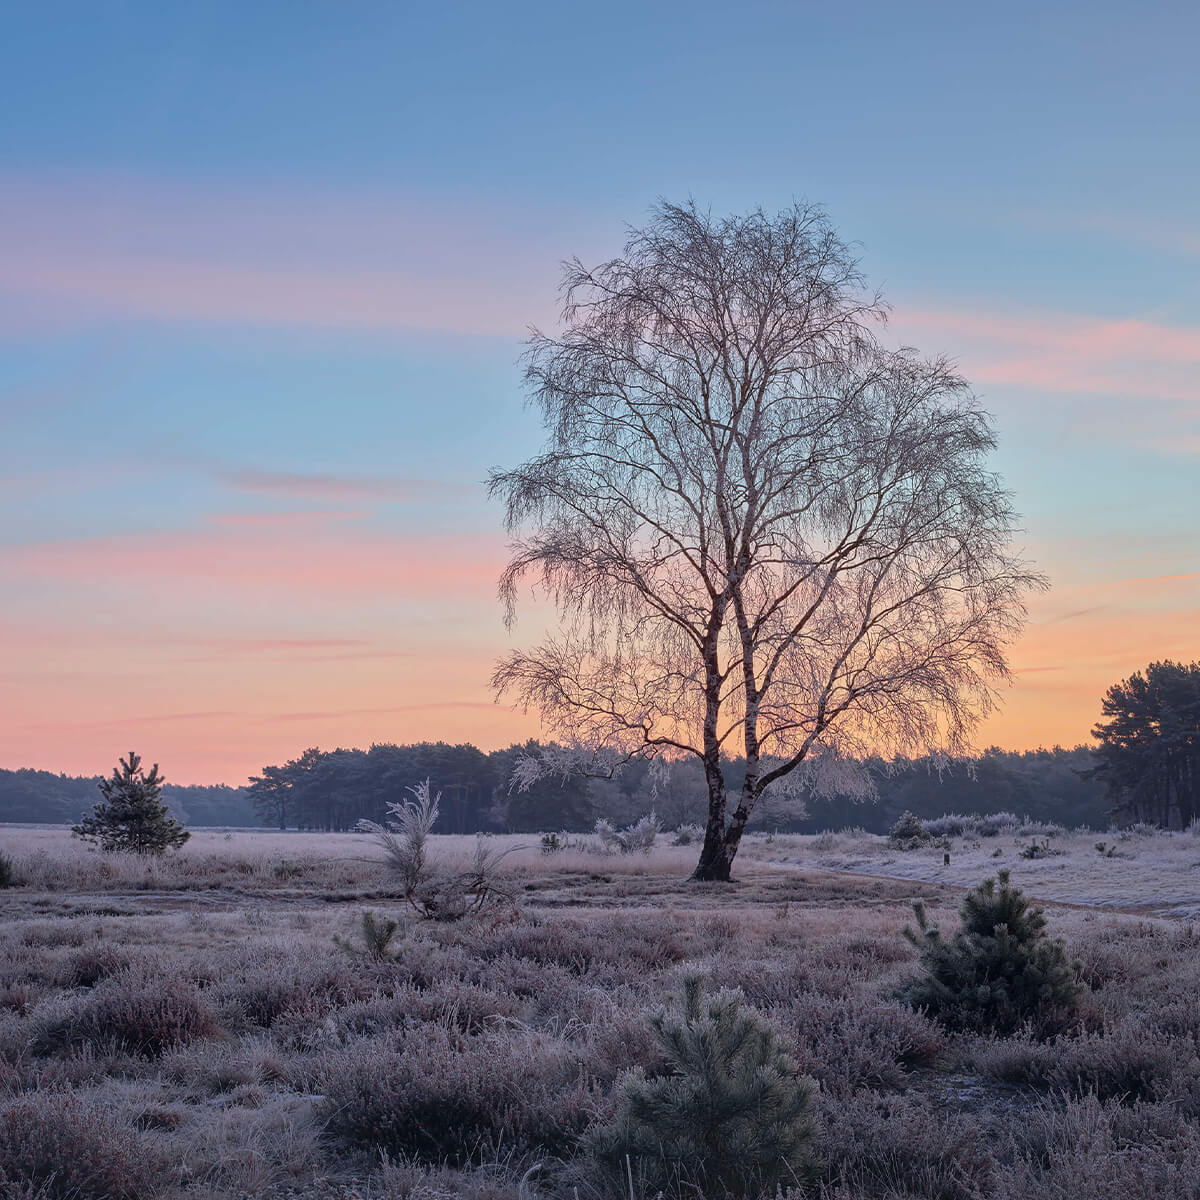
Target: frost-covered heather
pixel 208 1038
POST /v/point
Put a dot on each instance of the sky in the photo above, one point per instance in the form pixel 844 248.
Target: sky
pixel 265 272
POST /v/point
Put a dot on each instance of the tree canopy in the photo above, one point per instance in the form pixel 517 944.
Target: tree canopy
pixel 1149 744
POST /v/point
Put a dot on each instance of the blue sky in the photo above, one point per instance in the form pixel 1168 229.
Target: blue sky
pixel 265 270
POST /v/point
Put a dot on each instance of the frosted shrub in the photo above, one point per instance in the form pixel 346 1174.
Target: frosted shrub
pixel 996 823
pixel 635 839
pixel 909 832
pixel 404 835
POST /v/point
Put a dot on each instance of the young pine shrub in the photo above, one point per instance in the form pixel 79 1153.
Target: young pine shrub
pixel 377 935
pixel 999 970
pixel 8 871
pixel 732 1118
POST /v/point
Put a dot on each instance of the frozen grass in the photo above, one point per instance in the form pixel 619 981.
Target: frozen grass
pixel 205 1037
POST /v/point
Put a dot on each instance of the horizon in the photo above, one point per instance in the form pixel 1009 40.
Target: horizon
pixel 264 282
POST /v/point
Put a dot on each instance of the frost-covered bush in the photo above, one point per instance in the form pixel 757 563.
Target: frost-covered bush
pixel 997 823
pixel 635 839
pixel 909 832
pixel 686 835
pixel 948 825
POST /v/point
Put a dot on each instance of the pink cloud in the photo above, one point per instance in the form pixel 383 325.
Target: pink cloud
pixel 1067 353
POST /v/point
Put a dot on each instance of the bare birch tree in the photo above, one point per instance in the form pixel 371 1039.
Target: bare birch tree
pixel 763 531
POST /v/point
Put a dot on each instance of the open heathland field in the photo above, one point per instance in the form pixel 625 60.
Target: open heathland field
pixel 214 1022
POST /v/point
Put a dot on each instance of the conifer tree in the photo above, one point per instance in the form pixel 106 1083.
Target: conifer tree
pixel 1000 969
pixel 732 1118
pixel 132 816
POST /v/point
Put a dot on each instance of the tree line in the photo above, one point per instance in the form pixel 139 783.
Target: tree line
pixel 331 790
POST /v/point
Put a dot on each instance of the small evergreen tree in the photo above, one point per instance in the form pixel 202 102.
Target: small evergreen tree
pixel 733 1118
pixel 999 970
pixel 132 816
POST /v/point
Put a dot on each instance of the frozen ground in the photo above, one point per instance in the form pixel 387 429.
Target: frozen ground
pixel 1153 873
pixel 1148 873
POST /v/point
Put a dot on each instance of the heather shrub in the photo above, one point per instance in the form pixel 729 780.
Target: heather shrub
pixel 262 990
pixel 732 1116
pixel 60 1146
pixel 92 964
pixel 8 871
pixel 999 970
pixel 903 1147
pixel 1089 1150
pixel 1127 1064
pixel 443 1096
pixel 131 1012
pixel 847 1045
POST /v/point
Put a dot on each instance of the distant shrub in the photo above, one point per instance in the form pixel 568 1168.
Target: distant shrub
pixel 948 825
pixel 996 823
pixel 58 1146
pixel 130 1012
pixel 686 835
pixel 999 969
pixel 8 871
pixel 552 843
pixel 1042 829
pixel 638 838
pixel 732 1117
pixel 909 832
pixel 1041 849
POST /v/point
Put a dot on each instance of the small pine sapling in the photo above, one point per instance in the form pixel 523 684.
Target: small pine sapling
pixel 999 970
pixel 732 1118
pixel 377 934
pixel 132 816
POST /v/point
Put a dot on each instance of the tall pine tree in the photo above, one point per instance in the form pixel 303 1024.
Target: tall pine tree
pixel 131 816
